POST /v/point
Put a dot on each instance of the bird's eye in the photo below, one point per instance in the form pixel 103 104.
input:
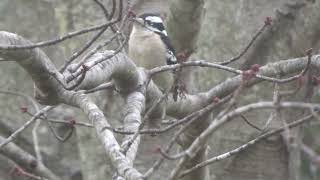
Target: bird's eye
pixel 149 22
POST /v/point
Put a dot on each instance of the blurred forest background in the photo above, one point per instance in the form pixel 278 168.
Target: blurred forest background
pixel 227 28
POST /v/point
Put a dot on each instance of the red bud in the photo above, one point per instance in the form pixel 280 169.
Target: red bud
pixel 24 109
pixel 72 122
pixel 157 149
pixel 255 68
pixel 131 14
pixel 268 21
pixel 215 99
pixel 247 75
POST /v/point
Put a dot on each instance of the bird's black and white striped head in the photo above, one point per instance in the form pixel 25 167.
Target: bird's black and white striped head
pixel 153 22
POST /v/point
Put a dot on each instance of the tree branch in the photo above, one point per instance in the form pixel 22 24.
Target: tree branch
pixel 246 145
pixel 201 140
pixel 26 160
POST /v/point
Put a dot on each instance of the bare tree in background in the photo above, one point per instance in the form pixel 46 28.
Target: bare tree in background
pixel 274 120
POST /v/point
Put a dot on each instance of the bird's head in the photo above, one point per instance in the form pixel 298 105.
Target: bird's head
pixel 151 22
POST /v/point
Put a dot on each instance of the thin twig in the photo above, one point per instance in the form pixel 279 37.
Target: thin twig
pixel 21 172
pixel 217 123
pixel 65 137
pixel 83 49
pixel 190 119
pixel 79 81
pixel 95 37
pixel 261 30
pixel 249 123
pixel 68 122
pixel 104 9
pixel 312 155
pixel 202 63
pixel 27 124
pixel 58 40
pixel 58 76
pixel 53 131
pixel 97 48
pixel 105 86
pixel 37 124
pixel 28 98
pixel 91 64
pixel 244 146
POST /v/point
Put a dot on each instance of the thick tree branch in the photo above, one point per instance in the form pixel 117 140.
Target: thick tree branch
pixel 133 109
pixel 184 24
pixel 37 64
pixel 195 102
pixel 283 67
pixel 110 144
pixel 121 70
pixel 135 103
pixel 26 160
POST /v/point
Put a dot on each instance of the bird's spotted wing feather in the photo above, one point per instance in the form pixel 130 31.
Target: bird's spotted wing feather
pixel 170 54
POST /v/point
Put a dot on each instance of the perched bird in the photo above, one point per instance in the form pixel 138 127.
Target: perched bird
pixel 149 47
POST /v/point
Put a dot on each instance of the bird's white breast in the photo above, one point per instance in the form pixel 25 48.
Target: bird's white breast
pixel 147 50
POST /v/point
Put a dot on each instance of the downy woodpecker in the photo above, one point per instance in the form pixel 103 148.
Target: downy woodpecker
pixel 149 47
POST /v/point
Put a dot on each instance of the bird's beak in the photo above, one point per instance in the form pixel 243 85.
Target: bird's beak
pixel 138 20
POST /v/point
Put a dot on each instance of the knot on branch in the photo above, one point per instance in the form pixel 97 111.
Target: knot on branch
pixel 252 72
